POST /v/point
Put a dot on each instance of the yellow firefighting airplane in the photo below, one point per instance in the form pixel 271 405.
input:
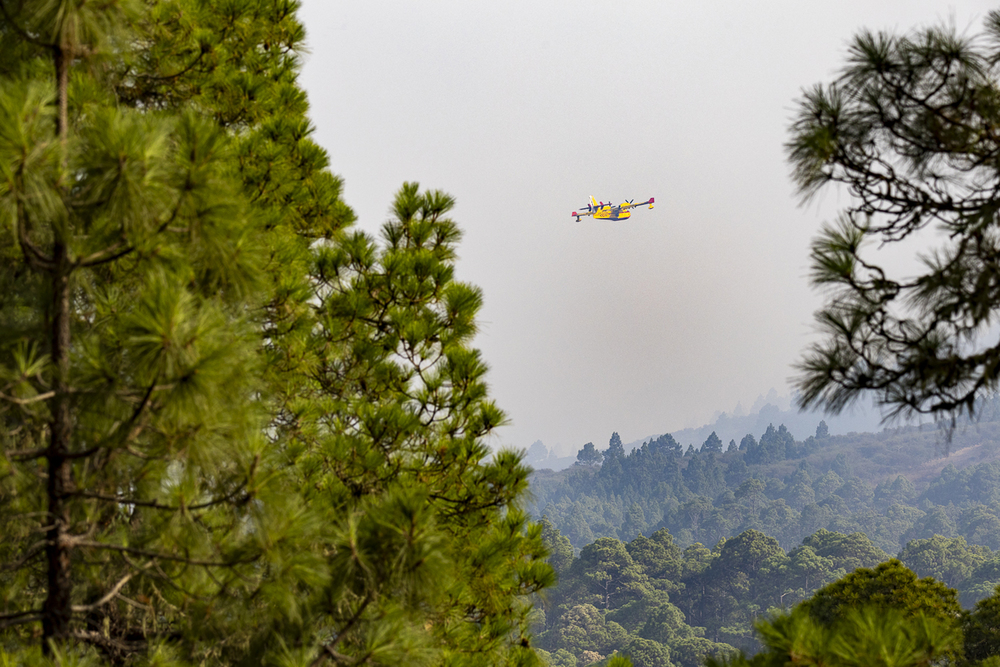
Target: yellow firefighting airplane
pixel 602 211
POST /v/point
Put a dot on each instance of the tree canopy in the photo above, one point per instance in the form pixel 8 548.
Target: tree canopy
pixel 234 430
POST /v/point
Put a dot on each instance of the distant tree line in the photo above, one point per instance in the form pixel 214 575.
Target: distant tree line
pixel 782 487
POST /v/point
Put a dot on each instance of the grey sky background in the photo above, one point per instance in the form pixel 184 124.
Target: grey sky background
pixel 521 110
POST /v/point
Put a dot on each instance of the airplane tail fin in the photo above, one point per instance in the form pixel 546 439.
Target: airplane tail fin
pixel 593 202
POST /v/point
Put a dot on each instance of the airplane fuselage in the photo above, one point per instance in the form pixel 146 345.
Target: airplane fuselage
pixel 602 211
pixel 612 214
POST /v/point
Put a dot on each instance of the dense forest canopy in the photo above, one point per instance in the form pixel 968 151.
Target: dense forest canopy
pixel 735 543
pixel 650 597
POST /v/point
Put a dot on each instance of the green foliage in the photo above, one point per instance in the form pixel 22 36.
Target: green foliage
pixel 739 580
pixel 981 582
pixel 846 552
pixel 865 637
pixel 583 628
pixel 233 431
pixel 608 600
pixel 884 616
pixel 837 589
pixel 982 629
pixel 609 573
pixel 646 653
pixel 658 555
pixel 904 128
pixel 617 661
pixel 588 455
pixel 825 525
pixel 615 448
pixel 133 444
pixel 890 492
pixel 774 445
pixel 712 444
pixel 889 585
pixel 560 658
pixel 399 402
pixel 559 549
pixel 949 560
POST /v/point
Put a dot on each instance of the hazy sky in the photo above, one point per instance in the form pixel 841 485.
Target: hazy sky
pixel 521 110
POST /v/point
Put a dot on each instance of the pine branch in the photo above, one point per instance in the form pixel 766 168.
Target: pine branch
pixel 27 401
pixel 110 595
pixel 161 556
pixel 328 649
pixel 36 259
pixel 110 644
pixel 17 618
pixel 106 256
pixel 160 506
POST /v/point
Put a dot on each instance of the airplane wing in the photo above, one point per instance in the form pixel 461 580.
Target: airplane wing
pixel 641 203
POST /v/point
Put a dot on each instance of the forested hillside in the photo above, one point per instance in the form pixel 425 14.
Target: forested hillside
pixel 894 486
pixel 670 556
pixel 657 601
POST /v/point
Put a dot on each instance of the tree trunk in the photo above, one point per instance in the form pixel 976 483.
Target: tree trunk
pixel 57 611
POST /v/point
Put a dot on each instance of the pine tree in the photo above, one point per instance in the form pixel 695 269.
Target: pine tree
pixel 269 432
pixel 615 448
pixel 908 129
pixel 712 444
pixel 865 637
pixel 131 484
pixel 390 439
pixel 884 616
pixel 588 455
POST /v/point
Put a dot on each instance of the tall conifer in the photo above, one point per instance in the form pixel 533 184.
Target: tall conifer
pixel 263 438
pixel 132 497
